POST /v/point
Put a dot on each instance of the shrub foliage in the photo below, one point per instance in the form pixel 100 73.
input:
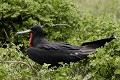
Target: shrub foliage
pixel 63 21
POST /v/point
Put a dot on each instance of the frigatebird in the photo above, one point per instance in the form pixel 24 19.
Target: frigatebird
pixel 42 51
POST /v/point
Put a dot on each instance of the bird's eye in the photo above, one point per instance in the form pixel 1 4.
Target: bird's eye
pixel 33 29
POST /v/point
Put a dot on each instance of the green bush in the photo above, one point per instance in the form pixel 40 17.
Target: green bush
pixel 63 21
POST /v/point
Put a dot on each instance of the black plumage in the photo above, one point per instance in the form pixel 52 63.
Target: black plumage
pixel 42 51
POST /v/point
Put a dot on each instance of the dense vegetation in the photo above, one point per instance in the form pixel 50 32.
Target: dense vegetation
pixel 63 21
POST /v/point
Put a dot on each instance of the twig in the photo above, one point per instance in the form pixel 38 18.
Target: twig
pixel 61 25
pixel 18 49
pixel 6 34
pixel 16 62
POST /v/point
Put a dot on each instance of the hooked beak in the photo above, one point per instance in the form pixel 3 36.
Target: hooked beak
pixel 22 32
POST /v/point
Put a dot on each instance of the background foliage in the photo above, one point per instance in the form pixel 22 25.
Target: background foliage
pixel 68 21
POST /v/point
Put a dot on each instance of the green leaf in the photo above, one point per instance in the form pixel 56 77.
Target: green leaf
pixel 117 71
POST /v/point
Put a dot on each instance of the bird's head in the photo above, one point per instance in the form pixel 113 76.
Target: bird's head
pixel 35 31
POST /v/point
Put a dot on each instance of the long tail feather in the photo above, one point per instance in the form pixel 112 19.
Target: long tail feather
pixel 90 47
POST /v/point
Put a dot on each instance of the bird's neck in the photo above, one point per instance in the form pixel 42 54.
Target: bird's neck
pixel 30 40
pixel 36 40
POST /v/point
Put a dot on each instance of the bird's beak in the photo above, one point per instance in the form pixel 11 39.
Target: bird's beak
pixel 22 32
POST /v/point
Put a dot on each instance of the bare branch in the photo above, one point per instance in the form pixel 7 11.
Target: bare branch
pixel 61 25
pixel 6 34
pixel 18 62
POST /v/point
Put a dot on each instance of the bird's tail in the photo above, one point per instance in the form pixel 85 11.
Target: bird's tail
pixel 90 47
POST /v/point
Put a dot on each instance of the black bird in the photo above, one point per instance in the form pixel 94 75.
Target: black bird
pixel 42 51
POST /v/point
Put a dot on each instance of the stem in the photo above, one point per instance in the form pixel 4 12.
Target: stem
pixel 16 62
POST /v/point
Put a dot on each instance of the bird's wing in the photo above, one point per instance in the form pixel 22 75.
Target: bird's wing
pixel 85 49
pixel 58 46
